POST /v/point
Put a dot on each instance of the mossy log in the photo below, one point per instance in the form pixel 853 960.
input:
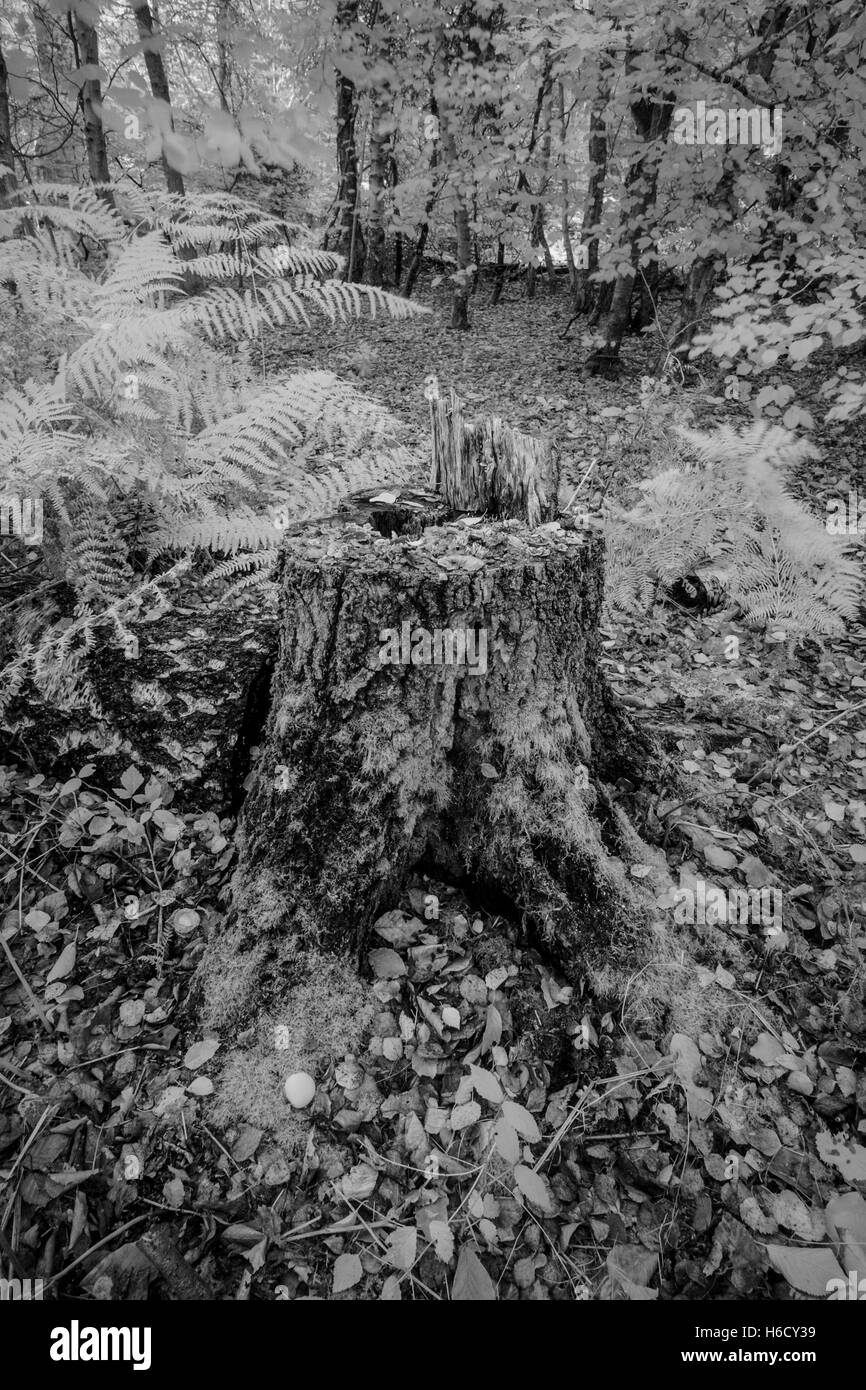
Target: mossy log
pixel 438 703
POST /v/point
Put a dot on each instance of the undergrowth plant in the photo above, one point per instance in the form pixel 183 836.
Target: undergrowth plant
pixel 155 435
pixel 725 502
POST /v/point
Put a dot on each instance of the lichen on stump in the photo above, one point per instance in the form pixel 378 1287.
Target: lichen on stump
pixel 493 772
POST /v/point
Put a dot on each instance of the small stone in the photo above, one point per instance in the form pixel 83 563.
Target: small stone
pixel 299 1089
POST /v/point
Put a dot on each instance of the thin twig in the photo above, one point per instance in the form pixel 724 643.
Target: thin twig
pixel 105 1240
pixel 800 741
pixel 25 986
pixel 22 1090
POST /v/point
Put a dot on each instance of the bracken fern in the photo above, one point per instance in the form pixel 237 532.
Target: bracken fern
pixel 157 433
pixel 727 504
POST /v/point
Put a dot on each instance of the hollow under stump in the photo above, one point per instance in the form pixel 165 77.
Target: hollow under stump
pixel 437 704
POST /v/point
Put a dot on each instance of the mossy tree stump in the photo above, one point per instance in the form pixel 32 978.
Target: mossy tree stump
pixel 437 701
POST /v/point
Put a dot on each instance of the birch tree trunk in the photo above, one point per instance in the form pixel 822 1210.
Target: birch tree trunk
pixel 91 99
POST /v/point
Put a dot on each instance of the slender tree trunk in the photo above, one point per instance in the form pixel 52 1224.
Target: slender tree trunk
pixel 418 254
pixel 566 219
pixel 87 45
pixel 8 182
pixel 394 179
pixel 374 265
pixel 460 303
pixel 585 292
pixel 224 50
pixel 703 272
pixel 153 61
pixel 417 260
pixel 537 237
pixel 499 282
pixel 350 239
pixel 708 266
pixel 652 117
pixel 698 287
pixel 644 311
pixel 398 257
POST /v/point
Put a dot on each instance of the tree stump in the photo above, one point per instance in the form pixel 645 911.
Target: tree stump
pixel 438 703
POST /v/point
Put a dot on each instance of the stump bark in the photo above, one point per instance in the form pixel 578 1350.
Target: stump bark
pixel 437 702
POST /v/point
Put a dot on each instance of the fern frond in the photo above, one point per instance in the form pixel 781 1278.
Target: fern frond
pixel 139 273
pixel 730 504
pixel 73 208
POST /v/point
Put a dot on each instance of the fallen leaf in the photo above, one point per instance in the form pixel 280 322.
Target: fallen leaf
pixel 201 1086
pixel 472 1283
pixel 506 1140
pixel 850 1159
pixel 522 1120
pixel 533 1186
pixel 719 858
pixel 486 1084
pixel 442 1237
pixel 348 1270
pixel 64 964
pixel 132 1012
pixel 402 1245
pixel 200 1053
pixel 462 1116
pixel 845 1216
pixel 807 1269
pixel 386 964
pixel 359 1182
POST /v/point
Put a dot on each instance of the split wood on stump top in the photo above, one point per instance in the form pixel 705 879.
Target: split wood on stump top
pixel 488 466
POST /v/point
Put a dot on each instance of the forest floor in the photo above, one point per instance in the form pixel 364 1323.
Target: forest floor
pixel 726 1160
